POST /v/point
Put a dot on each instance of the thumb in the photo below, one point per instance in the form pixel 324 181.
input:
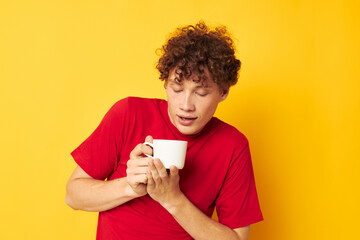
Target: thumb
pixel 149 139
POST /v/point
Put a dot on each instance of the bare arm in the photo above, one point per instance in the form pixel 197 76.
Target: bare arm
pixel 86 193
pixel 164 189
pixel 200 226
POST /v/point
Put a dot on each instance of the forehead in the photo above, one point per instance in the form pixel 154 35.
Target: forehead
pixel 189 82
pixel 205 81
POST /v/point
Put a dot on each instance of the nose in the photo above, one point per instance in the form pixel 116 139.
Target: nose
pixel 187 104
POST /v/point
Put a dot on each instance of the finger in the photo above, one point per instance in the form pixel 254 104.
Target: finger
pixel 174 171
pixel 138 162
pixel 149 139
pixel 160 168
pixel 150 180
pixel 140 149
pixel 154 173
pixel 139 179
pixel 137 170
pixel 146 149
pixel 136 152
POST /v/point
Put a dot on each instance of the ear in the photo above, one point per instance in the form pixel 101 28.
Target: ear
pixel 224 94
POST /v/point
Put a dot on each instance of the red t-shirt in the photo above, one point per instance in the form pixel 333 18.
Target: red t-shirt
pixel 217 172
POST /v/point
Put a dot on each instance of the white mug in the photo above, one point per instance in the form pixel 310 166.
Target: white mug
pixel 170 152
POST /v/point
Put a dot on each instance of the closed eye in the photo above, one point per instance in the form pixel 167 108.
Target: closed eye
pixel 201 94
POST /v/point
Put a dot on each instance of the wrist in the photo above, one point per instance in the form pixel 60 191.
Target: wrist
pixel 128 191
pixel 175 205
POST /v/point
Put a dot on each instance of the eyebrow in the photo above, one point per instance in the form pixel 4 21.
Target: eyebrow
pixel 201 85
pixel 173 82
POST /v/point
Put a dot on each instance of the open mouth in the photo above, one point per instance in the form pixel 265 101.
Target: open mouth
pixel 186 119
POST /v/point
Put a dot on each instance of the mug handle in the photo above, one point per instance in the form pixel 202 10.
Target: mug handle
pixel 150 145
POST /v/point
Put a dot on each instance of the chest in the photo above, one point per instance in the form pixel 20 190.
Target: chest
pixel 205 167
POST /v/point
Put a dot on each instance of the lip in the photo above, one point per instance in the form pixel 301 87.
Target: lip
pixel 186 120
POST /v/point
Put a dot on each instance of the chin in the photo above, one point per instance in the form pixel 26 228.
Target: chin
pixel 188 131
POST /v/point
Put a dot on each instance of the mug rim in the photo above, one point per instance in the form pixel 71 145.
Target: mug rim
pixel 170 140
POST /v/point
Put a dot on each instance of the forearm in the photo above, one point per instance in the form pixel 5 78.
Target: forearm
pixel 95 195
pixel 197 224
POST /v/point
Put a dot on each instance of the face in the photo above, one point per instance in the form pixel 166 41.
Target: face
pixel 191 105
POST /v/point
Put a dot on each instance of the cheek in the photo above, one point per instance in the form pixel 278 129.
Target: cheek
pixel 209 109
pixel 171 102
pixel 174 100
pixel 172 105
pixel 170 98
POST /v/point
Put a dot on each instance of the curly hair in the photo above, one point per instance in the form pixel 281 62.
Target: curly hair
pixel 192 48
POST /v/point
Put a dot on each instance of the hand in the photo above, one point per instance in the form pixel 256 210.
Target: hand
pixel 137 167
pixel 161 186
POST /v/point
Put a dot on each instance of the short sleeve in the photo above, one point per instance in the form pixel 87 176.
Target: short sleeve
pixel 99 153
pixel 237 204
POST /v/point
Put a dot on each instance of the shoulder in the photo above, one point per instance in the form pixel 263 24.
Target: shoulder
pixel 134 103
pixel 135 108
pixel 230 135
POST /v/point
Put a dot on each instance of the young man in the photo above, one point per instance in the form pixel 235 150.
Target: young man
pixel 136 196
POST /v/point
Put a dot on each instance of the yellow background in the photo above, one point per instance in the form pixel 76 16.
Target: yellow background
pixel 64 63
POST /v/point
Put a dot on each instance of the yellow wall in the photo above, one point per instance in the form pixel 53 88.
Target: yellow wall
pixel 64 63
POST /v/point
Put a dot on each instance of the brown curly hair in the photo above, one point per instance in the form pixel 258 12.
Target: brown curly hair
pixel 191 48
